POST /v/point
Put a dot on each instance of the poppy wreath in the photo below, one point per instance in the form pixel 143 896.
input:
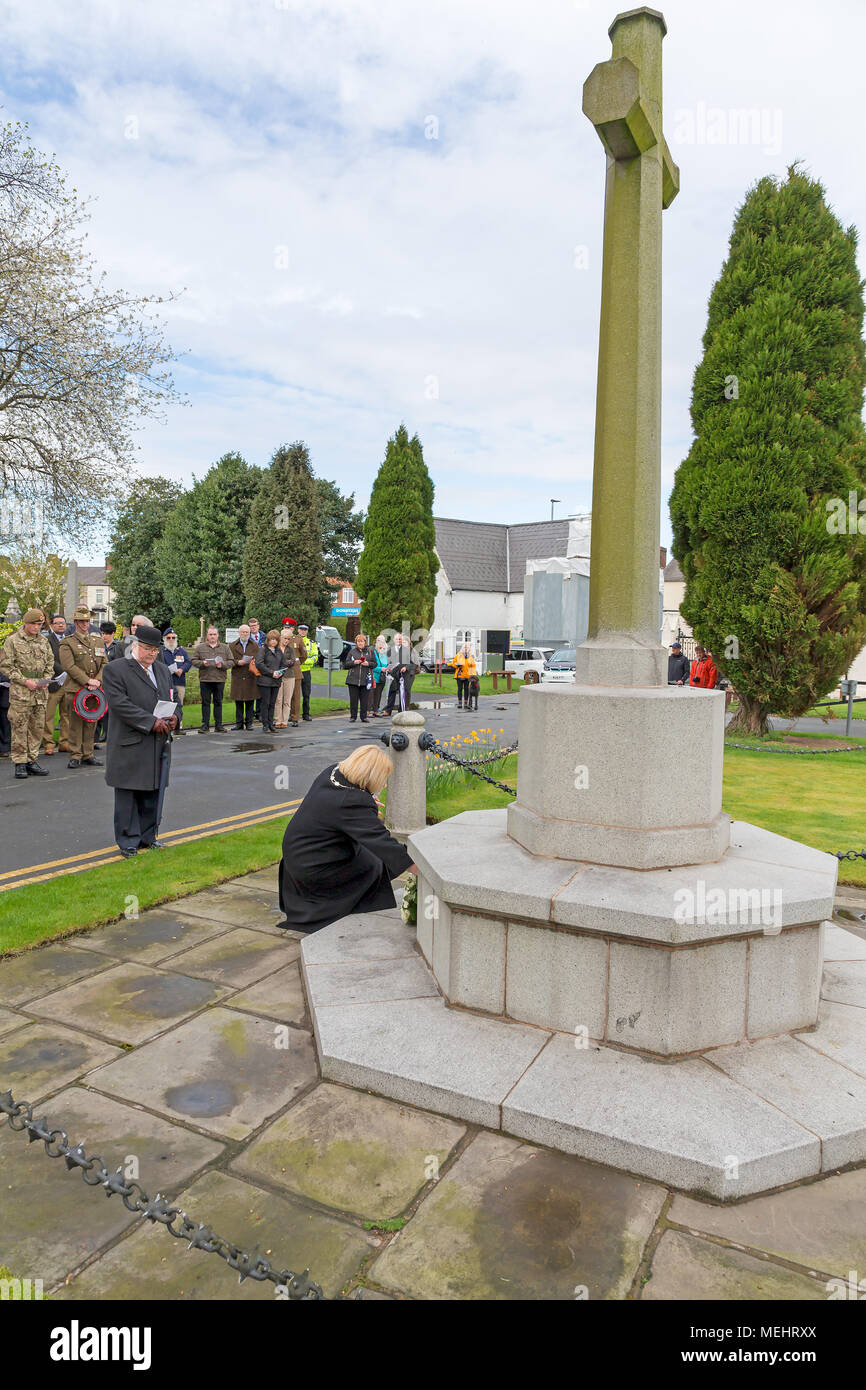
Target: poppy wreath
pixel 89 704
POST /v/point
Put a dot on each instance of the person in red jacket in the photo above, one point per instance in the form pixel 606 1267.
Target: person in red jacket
pixel 704 672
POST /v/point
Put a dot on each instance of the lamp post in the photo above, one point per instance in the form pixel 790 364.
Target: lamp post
pixel 553 502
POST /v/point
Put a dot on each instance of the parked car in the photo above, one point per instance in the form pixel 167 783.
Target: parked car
pixel 522 659
pixel 428 663
pixel 560 668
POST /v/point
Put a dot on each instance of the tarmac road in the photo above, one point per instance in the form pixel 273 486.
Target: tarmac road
pixel 213 776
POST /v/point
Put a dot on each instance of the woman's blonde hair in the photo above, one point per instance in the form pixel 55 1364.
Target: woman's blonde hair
pixel 368 767
pixel 273 633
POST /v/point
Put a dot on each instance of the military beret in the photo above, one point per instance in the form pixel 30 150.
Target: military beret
pixel 33 615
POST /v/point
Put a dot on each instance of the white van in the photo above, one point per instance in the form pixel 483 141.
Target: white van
pixel 523 659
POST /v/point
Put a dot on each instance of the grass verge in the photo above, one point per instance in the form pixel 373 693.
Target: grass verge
pixel 47 911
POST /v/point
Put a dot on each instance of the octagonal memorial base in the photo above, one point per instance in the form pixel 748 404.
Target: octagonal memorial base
pixel 728 1123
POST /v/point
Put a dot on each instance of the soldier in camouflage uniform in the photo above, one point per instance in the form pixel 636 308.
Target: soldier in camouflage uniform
pixel 27 660
pixel 82 656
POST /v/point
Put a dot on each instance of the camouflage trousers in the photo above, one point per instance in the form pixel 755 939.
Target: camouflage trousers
pixel 27 722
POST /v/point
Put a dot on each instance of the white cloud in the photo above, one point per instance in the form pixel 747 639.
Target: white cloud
pixel 337 258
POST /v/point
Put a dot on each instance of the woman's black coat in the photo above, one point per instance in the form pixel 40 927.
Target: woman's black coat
pixel 338 858
pixel 358 674
pixel 268 660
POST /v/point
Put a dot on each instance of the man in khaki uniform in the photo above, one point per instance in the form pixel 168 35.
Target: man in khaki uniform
pixel 82 655
pixel 29 663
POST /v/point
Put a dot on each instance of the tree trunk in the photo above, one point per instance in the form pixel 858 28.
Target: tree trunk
pixel 751 718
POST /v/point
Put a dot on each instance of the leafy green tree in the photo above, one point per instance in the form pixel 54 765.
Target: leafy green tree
pixel 397 568
pixel 201 549
pixel 342 531
pixel 136 575
pixel 283 573
pixel 773 588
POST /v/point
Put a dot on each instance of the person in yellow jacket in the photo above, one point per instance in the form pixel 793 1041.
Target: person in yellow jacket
pixel 464 669
pixel 307 665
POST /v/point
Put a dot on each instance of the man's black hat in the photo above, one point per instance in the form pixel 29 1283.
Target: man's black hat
pixel 150 636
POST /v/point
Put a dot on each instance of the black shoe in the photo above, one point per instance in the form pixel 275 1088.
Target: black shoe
pixel 74 762
pixel 129 853
pixel 237 728
pixel 20 769
pixel 154 844
pixel 294 723
pixel 36 771
pixel 307 718
pixel 248 729
pixel 204 728
pixel 365 721
pixel 220 729
pixel 352 718
pixel 93 762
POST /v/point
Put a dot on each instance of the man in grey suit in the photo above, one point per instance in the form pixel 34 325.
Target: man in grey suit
pixel 139 745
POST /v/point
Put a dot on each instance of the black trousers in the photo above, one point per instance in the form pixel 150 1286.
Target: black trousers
pixel 358 695
pixel 212 690
pixel 5 726
pixel 244 712
pixel 135 817
pixel 394 692
pixel 463 689
pixel 268 702
pixel 306 687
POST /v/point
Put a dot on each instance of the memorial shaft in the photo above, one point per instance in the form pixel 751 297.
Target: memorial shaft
pixel 623 99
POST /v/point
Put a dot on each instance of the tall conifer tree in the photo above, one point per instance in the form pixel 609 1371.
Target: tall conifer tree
pixel 282 568
pixel 398 565
pixel 773 587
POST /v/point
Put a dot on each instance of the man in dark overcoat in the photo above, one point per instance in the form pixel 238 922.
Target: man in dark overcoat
pixel 139 744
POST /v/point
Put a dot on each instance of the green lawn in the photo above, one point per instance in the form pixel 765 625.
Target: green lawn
pixel 42 911
pixel 839 711
pixel 819 799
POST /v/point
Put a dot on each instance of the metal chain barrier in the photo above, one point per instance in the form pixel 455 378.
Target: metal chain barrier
pixel 850 853
pixel 432 745
pixel 135 1199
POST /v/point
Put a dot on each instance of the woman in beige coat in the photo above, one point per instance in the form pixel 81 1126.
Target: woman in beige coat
pixel 287 685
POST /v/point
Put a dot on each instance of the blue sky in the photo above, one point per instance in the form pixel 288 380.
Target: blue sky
pixel 374 210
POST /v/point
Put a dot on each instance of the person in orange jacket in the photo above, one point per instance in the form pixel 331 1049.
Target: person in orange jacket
pixel 704 673
pixel 464 669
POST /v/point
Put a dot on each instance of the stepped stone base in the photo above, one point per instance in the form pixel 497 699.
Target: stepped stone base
pixel 730 1123
pixel 667 962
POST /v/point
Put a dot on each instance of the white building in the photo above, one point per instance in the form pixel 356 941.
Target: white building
pixel 95 590
pixel 482 567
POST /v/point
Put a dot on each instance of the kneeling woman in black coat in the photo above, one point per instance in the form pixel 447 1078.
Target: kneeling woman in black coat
pixel 337 855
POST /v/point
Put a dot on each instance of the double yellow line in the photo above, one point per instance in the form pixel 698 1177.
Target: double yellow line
pixel 95 858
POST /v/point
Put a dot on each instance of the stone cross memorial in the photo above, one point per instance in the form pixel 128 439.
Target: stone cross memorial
pixel 586 952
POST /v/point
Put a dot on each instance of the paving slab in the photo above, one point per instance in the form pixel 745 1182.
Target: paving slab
pixel 357 982
pixel 150 1265
pixel 840 944
pixel 217 906
pixel 42 1057
pixel 129 1003
pixel 278 996
pixel 684 1123
pixel 225 1072
pixel 841 1034
pixel 818 1225
pixel 10 1020
pixel 151 937
pixel 369 936
pixel 267 878
pixel 510 1221
pixel 685 1268
pixel 845 983
pixel 809 1087
pixel 265 893
pixel 50 1222
pixel 419 1051
pixel 351 1151
pixel 34 973
pixel 238 958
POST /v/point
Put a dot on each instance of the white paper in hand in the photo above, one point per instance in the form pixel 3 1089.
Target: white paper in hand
pixel 164 709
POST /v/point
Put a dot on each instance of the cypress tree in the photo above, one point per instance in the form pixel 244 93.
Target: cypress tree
pixel 774 587
pixel 282 563
pixel 397 568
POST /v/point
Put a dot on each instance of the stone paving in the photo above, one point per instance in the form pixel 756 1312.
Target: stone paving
pixel 178 1046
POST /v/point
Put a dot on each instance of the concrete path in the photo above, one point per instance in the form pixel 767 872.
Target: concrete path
pixel 178 1047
